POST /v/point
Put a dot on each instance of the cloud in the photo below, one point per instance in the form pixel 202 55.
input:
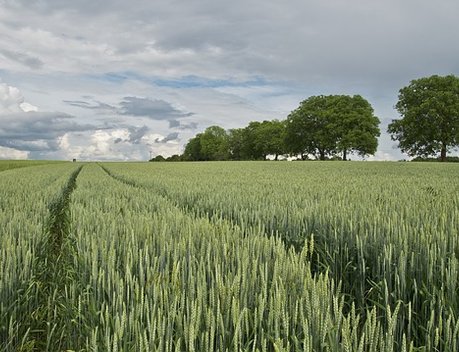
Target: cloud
pixel 136 134
pixel 96 105
pixel 27 132
pixel 11 100
pixel 307 41
pixel 162 145
pixel 155 109
pixel 183 126
pixel 171 137
pixel 23 58
pixel 99 145
pixel 133 135
pixel 9 153
pixel 174 123
pixel 24 130
pixel 381 156
pixel 32 131
pixel 26 107
pixel 115 144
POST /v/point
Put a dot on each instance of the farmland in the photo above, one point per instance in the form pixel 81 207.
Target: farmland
pixel 13 164
pixel 236 256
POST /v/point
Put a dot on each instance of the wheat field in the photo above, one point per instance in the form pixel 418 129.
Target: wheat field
pixel 229 256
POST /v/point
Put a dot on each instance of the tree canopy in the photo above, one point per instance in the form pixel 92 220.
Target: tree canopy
pixel 429 108
pixel 212 144
pixel 327 125
pixel 270 138
pixel 258 140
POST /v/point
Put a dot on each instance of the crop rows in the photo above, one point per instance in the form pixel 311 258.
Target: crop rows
pixel 230 257
pixel 388 234
pixel 163 279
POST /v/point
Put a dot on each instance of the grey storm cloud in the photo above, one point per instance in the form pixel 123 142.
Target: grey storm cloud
pixel 169 138
pixel 96 105
pixel 335 42
pixel 136 134
pixel 183 125
pixel 174 123
pixel 32 131
pixel 23 58
pixel 155 109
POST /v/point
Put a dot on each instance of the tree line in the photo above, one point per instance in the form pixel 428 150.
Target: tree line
pixel 322 127
pixel 335 126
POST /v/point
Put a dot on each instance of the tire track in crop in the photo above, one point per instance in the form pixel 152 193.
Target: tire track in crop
pixel 212 217
pixel 296 243
pixel 52 319
pixel 374 292
pixel 317 258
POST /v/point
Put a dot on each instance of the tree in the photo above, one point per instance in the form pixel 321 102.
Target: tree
pixel 158 158
pixel 257 140
pixel 309 128
pixel 237 144
pixel 214 144
pixel 429 108
pixel 174 157
pixel 243 143
pixel 357 128
pixel 269 138
pixel 325 125
pixel 252 148
pixel 192 150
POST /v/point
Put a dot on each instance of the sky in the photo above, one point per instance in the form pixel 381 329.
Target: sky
pixel 127 80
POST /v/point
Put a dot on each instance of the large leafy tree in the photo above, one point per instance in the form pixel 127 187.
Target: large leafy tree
pixel 237 141
pixel 192 150
pixel 308 128
pixel 257 140
pixel 429 108
pixel 212 144
pixel 244 142
pixel 253 149
pixel 327 125
pixel 270 138
pixel 356 126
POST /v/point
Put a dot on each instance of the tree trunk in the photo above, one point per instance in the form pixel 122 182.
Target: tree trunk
pixel 344 154
pixel 443 153
pixel 277 157
pixel 321 154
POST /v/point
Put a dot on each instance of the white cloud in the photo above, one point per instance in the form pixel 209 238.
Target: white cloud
pixel 26 107
pixel 381 156
pixel 10 153
pixel 115 144
pixel 10 98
